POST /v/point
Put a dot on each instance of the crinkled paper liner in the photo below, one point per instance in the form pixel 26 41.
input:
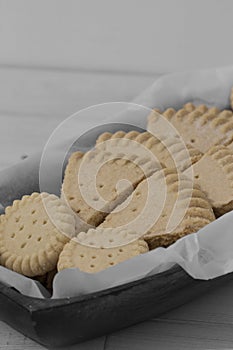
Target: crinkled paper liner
pixel 204 255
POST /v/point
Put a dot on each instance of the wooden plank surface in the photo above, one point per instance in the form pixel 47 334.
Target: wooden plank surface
pixel 12 340
pixel 34 102
pixel 173 335
pixel 204 323
pixel 57 94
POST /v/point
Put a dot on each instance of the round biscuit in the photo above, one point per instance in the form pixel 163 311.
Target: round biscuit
pixel 33 232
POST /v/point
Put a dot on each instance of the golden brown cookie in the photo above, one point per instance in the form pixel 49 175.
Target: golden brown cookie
pixel 33 232
pixel 214 174
pixel 169 150
pixel 98 181
pixel 100 237
pixel 199 126
pixel 163 208
pixel 92 259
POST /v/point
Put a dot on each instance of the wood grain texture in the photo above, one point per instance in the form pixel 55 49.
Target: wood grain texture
pixel 216 307
pixel 174 335
pixel 34 102
pixel 58 94
pixel 12 340
pixel 204 323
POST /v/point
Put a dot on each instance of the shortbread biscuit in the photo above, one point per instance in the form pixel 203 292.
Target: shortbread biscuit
pixel 33 232
pixel 199 126
pixel 214 174
pixel 95 183
pixel 107 237
pixel 169 150
pixel 92 259
pixel 195 155
pixel 163 208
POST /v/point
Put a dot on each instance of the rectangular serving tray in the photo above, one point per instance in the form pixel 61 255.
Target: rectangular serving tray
pixel 63 322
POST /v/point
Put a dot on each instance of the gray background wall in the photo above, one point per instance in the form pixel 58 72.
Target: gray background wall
pixel 125 35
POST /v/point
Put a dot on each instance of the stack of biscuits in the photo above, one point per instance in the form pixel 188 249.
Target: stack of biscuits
pixel 133 192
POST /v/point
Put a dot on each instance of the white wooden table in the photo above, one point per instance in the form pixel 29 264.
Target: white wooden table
pixel 58 57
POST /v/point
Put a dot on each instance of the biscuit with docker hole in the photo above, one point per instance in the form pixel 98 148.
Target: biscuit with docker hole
pixel 99 180
pixel 214 174
pixel 87 253
pixel 33 232
pixel 200 126
pixel 163 208
pixel 169 150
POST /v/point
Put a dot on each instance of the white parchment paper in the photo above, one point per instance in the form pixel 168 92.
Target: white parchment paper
pixel 204 255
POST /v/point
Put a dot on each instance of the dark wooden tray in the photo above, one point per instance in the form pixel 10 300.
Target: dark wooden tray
pixel 67 321
pixel 63 322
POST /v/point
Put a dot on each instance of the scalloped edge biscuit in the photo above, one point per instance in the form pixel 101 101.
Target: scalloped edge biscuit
pixel 125 149
pixel 92 259
pixel 183 157
pixel 195 122
pixel 218 162
pixel 33 232
pixel 90 209
pixel 106 237
pixel 198 210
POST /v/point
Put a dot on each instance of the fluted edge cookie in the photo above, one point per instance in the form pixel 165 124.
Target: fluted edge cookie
pixel 91 259
pixel 169 150
pixel 218 187
pixel 89 185
pixel 158 223
pixel 33 232
pixel 195 122
pixel 106 237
